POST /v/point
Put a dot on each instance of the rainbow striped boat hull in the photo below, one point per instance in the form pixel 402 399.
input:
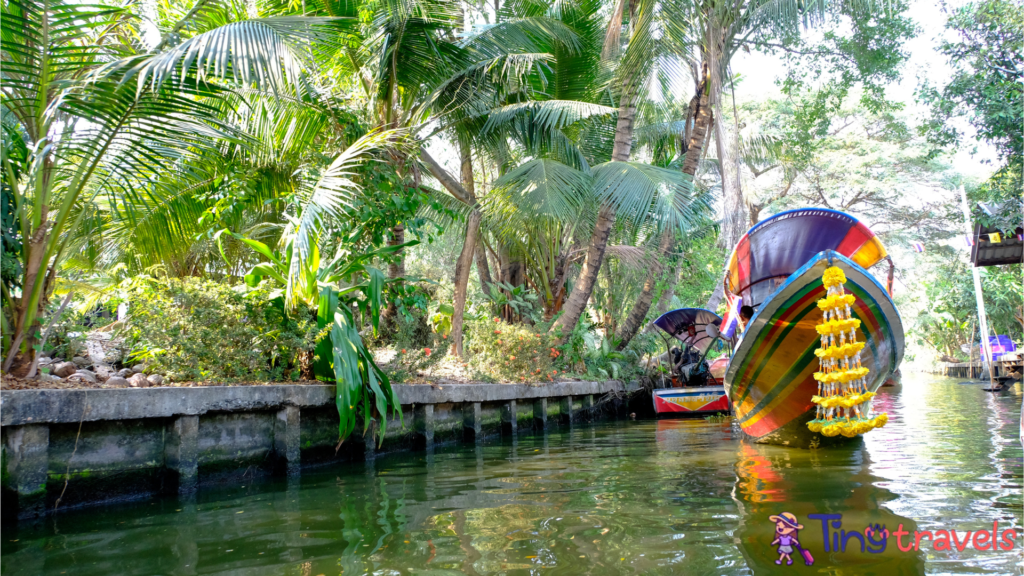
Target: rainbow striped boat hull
pixel 770 380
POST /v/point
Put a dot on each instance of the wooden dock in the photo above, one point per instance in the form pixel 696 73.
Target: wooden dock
pixel 1007 366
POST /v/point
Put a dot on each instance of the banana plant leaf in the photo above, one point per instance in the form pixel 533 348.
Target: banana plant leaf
pixel 342 357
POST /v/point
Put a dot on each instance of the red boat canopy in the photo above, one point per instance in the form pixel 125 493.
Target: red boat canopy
pixel 775 248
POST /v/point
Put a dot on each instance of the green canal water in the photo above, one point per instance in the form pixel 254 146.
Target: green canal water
pixel 644 497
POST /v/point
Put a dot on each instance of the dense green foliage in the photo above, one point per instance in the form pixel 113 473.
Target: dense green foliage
pixel 254 180
pixel 986 51
pixel 196 329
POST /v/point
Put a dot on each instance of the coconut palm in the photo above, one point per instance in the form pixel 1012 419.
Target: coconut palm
pixel 101 130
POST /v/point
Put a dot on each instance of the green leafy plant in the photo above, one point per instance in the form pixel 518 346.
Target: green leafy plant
pixel 605 361
pixel 520 300
pixel 202 330
pixel 441 321
pixel 334 291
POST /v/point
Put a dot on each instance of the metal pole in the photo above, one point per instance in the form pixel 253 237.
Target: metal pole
pixel 982 318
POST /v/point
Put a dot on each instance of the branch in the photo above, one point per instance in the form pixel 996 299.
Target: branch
pixel 453 186
pixel 785 48
pixel 759 172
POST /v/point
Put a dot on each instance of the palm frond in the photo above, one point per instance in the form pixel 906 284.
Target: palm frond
pixel 273 54
pixel 643 194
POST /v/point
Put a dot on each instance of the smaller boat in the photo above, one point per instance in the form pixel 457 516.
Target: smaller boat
pixel 696 386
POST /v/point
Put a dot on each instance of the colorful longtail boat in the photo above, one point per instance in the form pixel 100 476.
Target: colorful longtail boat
pixel 777 268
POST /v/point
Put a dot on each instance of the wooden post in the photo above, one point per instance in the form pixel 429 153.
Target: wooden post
pixel 986 346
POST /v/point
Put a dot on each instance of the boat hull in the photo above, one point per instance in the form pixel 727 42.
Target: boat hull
pixel 770 376
pixel 684 401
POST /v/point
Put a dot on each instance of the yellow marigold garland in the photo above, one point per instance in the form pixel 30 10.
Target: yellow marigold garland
pixel 842 381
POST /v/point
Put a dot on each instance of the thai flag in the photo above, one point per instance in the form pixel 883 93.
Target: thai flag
pixel 732 316
pixel 969 240
pixel 917 246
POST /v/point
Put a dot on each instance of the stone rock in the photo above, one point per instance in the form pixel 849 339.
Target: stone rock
pixel 44 360
pixel 80 362
pixel 44 377
pixel 112 355
pixel 139 368
pixel 116 382
pixel 64 369
pixel 155 379
pixel 83 376
pixel 103 373
pixel 138 381
pixel 125 373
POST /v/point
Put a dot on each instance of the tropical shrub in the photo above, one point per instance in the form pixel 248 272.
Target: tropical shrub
pixel 513 301
pixel 409 362
pixel 511 352
pixel 204 330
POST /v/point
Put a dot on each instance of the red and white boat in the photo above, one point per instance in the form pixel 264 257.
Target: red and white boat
pixel 695 386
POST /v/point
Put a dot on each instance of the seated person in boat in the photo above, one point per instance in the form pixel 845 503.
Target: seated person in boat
pixel 746 313
pixel 689 364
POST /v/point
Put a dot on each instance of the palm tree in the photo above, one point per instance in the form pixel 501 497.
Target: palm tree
pixel 88 114
pixel 102 135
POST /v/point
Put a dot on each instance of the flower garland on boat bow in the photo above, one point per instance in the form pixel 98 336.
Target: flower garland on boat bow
pixel 842 380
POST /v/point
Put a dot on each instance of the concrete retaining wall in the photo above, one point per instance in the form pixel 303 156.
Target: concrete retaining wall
pixel 70 448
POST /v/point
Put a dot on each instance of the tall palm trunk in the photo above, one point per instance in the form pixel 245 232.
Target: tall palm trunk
pixel 584 287
pixel 734 213
pixel 396 269
pixel 638 313
pixel 36 281
pixel 469 247
pixel 697 125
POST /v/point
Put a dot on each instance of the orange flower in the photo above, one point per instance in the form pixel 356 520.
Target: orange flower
pixel 497 331
pixel 496 319
pixel 403 350
pixel 426 351
pixel 511 357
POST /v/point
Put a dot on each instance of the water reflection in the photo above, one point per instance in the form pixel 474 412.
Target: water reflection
pixel 656 497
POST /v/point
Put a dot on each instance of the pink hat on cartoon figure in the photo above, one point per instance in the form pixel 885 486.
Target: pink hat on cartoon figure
pixel 787 519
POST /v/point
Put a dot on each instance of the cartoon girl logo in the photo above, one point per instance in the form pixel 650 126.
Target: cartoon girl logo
pixel 786 537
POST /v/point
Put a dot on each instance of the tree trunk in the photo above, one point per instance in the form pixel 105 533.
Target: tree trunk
pixel 22 354
pixel 462 266
pixel 638 313
pixel 483 270
pixel 702 120
pixel 584 287
pixel 608 318
pixel 396 269
pixel 694 149
pixel 716 296
pixel 511 273
pixel 469 247
pixel 670 290
pixel 734 213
